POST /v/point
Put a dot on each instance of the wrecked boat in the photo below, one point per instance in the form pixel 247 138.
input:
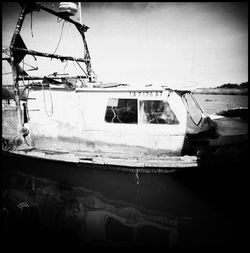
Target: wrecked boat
pixel 81 120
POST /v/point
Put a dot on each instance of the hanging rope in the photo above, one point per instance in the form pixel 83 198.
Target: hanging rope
pixel 27 108
pixel 60 36
pixel 65 67
pixel 36 62
pixel 44 102
pixel 59 20
pixel 26 87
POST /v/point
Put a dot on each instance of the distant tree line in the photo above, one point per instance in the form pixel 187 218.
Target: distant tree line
pixel 225 89
pixel 234 86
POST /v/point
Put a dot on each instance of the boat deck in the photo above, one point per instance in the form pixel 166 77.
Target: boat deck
pixel 130 163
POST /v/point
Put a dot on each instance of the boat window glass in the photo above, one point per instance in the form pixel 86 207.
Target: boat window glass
pixel 192 108
pixel 157 112
pixel 121 111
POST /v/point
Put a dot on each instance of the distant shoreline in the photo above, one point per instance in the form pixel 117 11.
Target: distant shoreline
pixel 221 91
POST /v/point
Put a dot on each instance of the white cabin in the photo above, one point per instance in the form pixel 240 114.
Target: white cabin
pixel 114 119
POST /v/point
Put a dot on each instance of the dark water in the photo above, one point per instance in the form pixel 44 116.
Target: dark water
pixel 72 206
pixel 52 204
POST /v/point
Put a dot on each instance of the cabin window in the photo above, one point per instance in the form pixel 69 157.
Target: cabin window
pixel 157 112
pixel 192 108
pixel 121 111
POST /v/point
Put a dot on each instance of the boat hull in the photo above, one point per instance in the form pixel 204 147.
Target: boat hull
pixel 147 190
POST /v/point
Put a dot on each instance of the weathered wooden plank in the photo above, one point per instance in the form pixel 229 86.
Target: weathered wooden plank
pixel 104 159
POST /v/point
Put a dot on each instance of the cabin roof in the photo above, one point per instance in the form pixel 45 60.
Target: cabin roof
pixel 116 87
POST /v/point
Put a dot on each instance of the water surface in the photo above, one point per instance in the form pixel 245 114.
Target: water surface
pixel 212 104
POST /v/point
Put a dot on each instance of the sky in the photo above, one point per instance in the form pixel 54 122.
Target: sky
pixel 187 44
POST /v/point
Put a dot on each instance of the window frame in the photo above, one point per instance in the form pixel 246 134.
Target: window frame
pixel 158 124
pixel 121 123
pixel 195 103
pixel 139 116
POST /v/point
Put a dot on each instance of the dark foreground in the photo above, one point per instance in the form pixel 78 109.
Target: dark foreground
pixel 52 204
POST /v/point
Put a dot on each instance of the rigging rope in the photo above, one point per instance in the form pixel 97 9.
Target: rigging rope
pixel 59 20
pixel 27 108
pixel 60 36
pixel 44 102
pixel 65 67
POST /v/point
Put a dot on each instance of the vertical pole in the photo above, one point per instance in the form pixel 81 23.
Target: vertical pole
pixel 80 12
pixel 14 66
pixel 86 54
pixel 16 92
pixel 86 50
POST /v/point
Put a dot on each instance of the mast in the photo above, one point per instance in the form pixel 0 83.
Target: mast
pixel 18 49
pixel 14 65
pixel 82 29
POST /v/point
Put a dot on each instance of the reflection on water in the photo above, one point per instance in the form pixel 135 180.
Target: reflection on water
pixel 86 216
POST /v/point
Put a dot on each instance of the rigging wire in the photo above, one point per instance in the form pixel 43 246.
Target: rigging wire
pixel 71 36
pixel 29 65
pixel 81 79
pixel 81 68
pixel 95 75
